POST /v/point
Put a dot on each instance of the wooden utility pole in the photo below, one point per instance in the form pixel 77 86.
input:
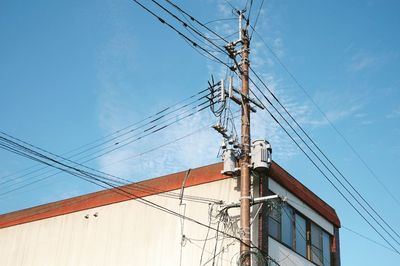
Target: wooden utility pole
pixel 245 149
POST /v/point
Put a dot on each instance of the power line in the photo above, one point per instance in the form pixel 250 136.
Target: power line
pixel 218 20
pixel 127 130
pixel 121 160
pixel 179 32
pixel 153 131
pixel 255 23
pixel 303 234
pixel 24 150
pixel 123 131
pixel 189 27
pixel 329 180
pixel 249 10
pixel 367 238
pixel 326 158
pixel 324 163
pixel 189 198
pixel 13 146
pixel 358 155
pixel 197 21
pixel 114 147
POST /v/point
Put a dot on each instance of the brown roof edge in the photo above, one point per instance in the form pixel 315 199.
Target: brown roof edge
pixel 198 176
pixel 294 186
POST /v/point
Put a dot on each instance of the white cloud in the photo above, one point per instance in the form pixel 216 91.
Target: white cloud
pixel 395 113
pixel 196 150
pixel 201 148
pixel 361 61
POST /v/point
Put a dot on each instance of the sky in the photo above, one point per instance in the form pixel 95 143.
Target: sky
pixel 74 71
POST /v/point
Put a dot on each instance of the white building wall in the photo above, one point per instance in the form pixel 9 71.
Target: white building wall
pixel 131 233
pixel 126 233
pixel 286 256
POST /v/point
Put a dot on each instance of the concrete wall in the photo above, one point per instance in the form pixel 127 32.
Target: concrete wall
pixel 126 233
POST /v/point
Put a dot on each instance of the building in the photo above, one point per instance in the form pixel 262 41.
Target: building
pixel 108 228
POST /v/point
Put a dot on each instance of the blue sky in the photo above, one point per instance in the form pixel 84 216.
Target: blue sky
pixel 73 71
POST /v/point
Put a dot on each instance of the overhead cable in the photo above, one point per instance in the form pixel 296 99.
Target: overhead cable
pixel 327 159
pixel 347 142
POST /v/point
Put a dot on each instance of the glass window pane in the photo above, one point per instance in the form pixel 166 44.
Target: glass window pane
pixel 326 251
pixel 316 255
pixel 274 228
pixel 275 213
pixel 301 243
pixel 316 244
pixel 316 240
pixel 287 226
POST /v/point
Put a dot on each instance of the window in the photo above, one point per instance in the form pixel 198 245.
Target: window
pixel 316 244
pixel 326 248
pixel 320 246
pixel 274 222
pixel 301 235
pixel 287 226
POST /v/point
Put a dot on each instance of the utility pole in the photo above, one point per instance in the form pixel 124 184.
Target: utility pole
pixel 232 151
pixel 245 148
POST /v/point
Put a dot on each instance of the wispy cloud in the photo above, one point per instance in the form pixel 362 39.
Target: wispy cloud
pixel 201 148
pixel 361 61
pixel 395 113
pixel 263 62
pixel 195 150
pixel 114 114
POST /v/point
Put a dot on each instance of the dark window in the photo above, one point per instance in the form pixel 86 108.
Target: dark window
pixel 316 244
pixel 301 235
pixel 326 248
pixel 287 225
pixel 274 221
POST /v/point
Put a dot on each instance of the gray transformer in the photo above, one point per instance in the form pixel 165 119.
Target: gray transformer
pixel 261 155
pixel 229 162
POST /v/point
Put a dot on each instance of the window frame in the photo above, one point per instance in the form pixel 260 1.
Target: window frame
pixel 308 236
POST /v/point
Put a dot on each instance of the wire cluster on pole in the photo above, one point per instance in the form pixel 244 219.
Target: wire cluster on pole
pixel 317 157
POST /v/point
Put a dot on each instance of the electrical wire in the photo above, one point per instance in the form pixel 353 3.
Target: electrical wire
pixel 190 27
pixel 197 21
pixel 328 160
pixel 353 231
pixel 179 32
pixel 373 174
pixel 218 20
pixel 117 133
pixel 249 12
pixel 154 130
pixel 357 201
pixel 335 175
pixel 94 178
pixel 127 158
pixel 255 23
pixel 367 238
pixel 303 234
pixel 121 144
pixel 329 180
